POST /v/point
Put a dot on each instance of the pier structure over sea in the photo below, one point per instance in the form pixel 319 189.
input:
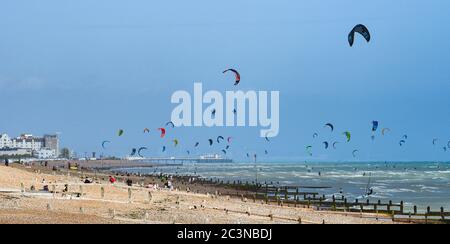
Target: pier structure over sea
pixel 101 164
pixel 182 160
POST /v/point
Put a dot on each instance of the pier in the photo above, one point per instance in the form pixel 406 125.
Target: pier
pixel 100 164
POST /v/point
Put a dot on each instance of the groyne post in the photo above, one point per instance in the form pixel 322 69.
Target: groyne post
pixel 129 195
pixel 345 205
pixel 102 192
pixel 149 196
pixel 145 216
pixel 112 213
pixel 267 191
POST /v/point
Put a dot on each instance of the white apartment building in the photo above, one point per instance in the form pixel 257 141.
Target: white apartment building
pixel 41 147
pixel 5 141
pixel 24 141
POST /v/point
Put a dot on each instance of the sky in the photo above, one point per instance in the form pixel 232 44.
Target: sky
pixel 88 68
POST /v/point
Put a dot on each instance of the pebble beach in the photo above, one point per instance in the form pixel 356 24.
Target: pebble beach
pixel 102 202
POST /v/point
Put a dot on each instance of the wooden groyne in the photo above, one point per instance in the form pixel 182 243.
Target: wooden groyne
pixel 298 196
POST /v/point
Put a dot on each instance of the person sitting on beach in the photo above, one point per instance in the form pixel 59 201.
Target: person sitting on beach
pixel 150 186
pixel 169 185
pixel 87 181
pixel 129 182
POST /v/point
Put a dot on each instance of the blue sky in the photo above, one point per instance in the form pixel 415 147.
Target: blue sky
pixel 87 68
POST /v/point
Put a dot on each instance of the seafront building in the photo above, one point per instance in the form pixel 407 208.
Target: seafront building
pixel 45 147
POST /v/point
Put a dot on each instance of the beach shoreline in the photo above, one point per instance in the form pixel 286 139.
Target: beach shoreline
pixel 102 202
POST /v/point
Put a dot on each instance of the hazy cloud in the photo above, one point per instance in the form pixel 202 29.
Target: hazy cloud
pixel 27 83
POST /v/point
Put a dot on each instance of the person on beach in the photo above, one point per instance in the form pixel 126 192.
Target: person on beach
pixel 6 162
pixel 112 180
pixel 129 182
pixel 170 185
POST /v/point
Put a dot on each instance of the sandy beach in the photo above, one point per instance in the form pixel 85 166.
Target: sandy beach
pixel 86 204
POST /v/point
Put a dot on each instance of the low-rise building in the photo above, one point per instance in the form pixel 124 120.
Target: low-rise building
pixel 44 153
pixel 13 152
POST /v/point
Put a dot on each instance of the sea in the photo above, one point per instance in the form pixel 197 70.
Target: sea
pixel 420 184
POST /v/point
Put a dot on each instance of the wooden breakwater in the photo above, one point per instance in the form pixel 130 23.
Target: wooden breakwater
pixel 299 196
